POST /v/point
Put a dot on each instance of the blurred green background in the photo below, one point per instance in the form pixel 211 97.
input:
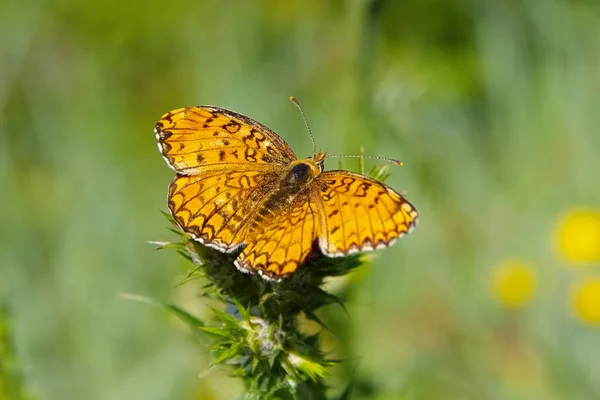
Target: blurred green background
pixel 492 106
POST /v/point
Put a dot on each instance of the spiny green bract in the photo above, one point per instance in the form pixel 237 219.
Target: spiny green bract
pixel 257 335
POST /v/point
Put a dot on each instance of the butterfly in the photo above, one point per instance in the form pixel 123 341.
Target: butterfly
pixel 238 183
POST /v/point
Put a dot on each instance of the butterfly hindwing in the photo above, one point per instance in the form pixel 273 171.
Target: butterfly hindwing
pixel 285 242
pixel 214 207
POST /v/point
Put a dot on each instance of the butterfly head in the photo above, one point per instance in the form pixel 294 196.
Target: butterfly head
pixel 301 172
pixel 319 159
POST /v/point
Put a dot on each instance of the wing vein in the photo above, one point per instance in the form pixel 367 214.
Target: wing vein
pixel 209 202
pixel 243 221
pixel 355 222
pixel 342 223
pixel 291 236
pixel 177 153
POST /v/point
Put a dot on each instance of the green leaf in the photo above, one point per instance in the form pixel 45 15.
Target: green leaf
pixel 215 331
pixel 227 320
pixel 178 232
pixel 255 363
pixel 176 310
pixel 226 355
pixel 185 255
pixel 244 311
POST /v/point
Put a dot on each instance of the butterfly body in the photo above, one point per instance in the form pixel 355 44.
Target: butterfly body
pixel 281 195
pixel 239 184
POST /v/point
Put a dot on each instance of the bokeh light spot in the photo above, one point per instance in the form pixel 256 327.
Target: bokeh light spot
pixel 586 301
pixel 513 283
pixel 578 236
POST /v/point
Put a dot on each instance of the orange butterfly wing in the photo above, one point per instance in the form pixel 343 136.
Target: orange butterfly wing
pixel 360 213
pixel 215 206
pixel 284 243
pixel 198 139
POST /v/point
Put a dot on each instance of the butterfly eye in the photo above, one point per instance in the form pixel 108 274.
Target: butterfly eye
pixel 320 163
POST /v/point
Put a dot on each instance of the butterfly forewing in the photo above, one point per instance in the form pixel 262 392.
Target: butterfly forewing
pixel 196 139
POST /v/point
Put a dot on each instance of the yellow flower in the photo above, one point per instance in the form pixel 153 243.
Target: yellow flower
pixel 578 236
pixel 586 301
pixel 513 283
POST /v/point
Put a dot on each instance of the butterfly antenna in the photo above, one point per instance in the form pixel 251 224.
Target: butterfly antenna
pixel 390 160
pixel 295 101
